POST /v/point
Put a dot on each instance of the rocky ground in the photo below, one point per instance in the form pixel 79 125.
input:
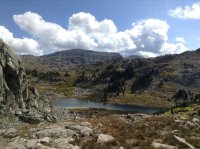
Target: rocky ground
pixel 75 130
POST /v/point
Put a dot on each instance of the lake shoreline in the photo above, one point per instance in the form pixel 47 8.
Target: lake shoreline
pixel 75 103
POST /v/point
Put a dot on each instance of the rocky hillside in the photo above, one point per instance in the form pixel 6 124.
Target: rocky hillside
pixel 65 59
pixel 16 95
pixel 170 77
pixel 135 57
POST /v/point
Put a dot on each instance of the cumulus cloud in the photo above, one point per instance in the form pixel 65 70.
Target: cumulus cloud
pixel 146 37
pixel 103 32
pixel 52 36
pixel 89 24
pixel 21 46
pixel 188 12
pixel 84 32
pixel 149 35
pixel 180 39
pixel 147 54
pixel 151 39
pixel 177 48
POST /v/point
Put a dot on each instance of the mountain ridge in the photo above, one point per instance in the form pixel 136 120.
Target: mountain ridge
pixel 170 77
pixel 69 58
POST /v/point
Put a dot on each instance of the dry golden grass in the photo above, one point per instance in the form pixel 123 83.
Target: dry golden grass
pixel 3 142
pixel 140 99
pixel 140 134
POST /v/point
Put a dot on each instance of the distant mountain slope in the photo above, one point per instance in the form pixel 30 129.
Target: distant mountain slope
pixel 135 57
pixel 168 77
pixel 68 58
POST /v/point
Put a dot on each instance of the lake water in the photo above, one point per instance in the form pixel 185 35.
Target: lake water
pixel 73 103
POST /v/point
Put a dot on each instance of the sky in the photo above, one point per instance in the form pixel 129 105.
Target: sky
pixel 147 27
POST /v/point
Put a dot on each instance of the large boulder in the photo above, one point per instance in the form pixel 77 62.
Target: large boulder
pixel 16 95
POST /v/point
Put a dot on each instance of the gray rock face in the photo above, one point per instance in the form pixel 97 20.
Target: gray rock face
pixel 55 132
pixel 16 96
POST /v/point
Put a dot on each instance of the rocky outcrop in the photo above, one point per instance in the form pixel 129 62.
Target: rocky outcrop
pixel 62 60
pixel 16 95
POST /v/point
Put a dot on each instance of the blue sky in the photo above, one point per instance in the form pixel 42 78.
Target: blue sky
pixel 182 30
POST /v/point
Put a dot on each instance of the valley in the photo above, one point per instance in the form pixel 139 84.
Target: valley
pixel 160 82
pixel 109 74
pixel 169 83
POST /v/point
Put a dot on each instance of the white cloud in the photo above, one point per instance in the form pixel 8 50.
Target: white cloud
pixel 147 54
pixel 22 46
pixel 188 12
pixel 84 32
pixel 151 39
pixel 180 39
pixel 52 36
pixel 148 38
pixel 149 35
pixel 176 48
pixel 116 42
pixel 103 32
pixel 89 24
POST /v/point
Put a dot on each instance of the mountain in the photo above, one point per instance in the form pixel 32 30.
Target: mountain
pixel 65 59
pixel 135 57
pixel 170 77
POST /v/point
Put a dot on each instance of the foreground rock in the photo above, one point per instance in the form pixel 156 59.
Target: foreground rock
pixel 103 138
pixel 55 132
pixel 16 95
pixel 82 130
pixel 52 137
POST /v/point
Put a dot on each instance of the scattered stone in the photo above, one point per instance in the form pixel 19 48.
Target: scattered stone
pixel 103 138
pixel 55 132
pixel 31 143
pixel 60 143
pixel 86 131
pixel 63 143
pixel 63 114
pixel 18 143
pixel 11 133
pixel 195 120
pixel 40 146
pixel 99 125
pixel 31 119
pixel 184 142
pixel 86 124
pixel 82 130
pixel 180 121
pixel 175 131
pixel 190 124
pixel 183 118
pixel 163 146
pixel 45 140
